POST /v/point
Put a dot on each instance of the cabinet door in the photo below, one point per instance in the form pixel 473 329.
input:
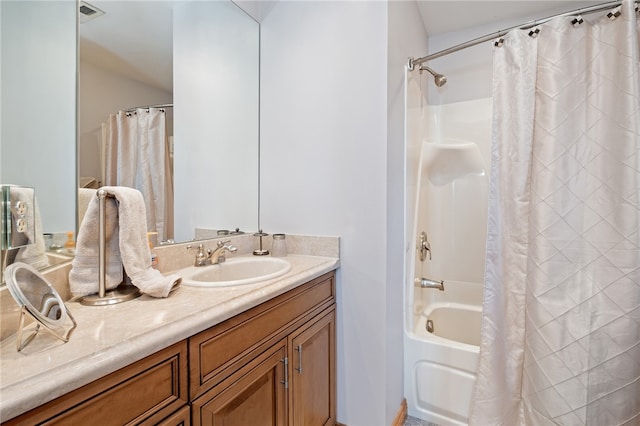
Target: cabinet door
pixel 255 395
pixel 312 381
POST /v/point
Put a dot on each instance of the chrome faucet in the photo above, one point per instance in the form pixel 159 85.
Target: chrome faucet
pixel 428 283
pixel 206 257
pixel 218 253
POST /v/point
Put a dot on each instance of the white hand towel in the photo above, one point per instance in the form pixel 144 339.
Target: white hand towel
pixel 134 245
pixel 85 195
pixel 130 234
pixel 83 277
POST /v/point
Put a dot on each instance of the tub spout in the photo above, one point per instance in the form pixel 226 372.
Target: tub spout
pixel 428 283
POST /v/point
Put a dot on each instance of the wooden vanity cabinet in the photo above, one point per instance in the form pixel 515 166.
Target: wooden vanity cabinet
pixel 145 392
pixel 271 365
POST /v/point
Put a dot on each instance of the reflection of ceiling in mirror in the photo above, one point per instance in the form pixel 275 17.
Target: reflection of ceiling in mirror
pixel 107 40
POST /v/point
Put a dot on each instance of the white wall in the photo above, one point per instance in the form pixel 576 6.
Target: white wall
pixel 103 92
pixel 332 155
pixel 323 162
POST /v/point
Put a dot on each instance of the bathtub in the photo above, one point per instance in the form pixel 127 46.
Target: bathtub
pixel 441 365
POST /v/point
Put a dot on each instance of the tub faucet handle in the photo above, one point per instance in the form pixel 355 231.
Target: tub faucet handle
pixel 424 246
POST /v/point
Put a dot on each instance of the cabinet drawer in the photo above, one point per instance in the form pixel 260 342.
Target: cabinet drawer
pixel 143 393
pixel 182 417
pixel 219 351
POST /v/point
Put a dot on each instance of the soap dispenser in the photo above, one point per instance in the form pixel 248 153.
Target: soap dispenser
pixel 154 256
pixel 70 245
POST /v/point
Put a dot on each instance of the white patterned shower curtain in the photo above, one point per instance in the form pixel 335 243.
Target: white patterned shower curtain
pixel 137 156
pixel 561 327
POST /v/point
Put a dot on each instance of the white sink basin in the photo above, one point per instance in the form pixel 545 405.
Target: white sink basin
pixel 235 271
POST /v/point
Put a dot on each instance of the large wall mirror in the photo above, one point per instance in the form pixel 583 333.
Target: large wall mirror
pixel 38 115
pixel 198 58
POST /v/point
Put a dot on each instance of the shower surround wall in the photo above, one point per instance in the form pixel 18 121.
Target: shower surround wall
pixel 454 217
pixel 454 214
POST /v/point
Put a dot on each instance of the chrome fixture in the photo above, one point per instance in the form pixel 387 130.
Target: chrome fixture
pixel 260 251
pixel 424 246
pixel 439 79
pixel 428 283
pixel 414 62
pixel 203 256
pixel 218 253
pixel 430 327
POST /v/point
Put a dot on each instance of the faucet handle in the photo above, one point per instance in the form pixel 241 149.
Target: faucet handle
pixel 228 246
pixel 222 243
pixel 424 247
pixel 200 249
pixel 202 256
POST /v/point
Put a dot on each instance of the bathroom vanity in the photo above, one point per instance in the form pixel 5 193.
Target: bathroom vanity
pixel 256 354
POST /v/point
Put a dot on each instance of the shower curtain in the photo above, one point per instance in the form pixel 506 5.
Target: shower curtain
pixel 137 156
pixel 561 324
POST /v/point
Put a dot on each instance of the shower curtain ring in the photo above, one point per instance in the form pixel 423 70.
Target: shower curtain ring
pixel 614 14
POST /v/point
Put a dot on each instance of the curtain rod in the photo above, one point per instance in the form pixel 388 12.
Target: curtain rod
pixel 149 106
pixel 412 63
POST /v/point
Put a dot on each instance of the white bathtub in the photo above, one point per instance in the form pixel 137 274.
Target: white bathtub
pixel 442 365
pixel 452 321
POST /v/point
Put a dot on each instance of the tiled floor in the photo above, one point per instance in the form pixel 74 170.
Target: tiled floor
pixel 412 421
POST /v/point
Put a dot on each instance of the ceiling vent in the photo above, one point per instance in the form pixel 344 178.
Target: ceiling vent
pixel 88 12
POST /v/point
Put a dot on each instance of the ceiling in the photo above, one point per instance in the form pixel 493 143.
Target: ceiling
pixel 134 38
pixel 444 16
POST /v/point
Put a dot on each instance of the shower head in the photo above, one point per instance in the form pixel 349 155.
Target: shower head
pixel 439 79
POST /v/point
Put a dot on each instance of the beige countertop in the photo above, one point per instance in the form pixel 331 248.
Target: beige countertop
pixel 111 337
